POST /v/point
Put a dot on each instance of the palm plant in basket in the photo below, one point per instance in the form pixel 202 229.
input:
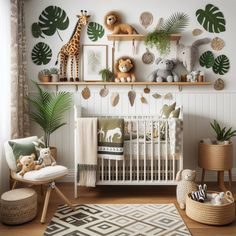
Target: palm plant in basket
pixel 223 136
pixel 160 37
pixel 48 109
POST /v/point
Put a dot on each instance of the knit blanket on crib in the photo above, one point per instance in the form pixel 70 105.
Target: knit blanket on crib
pixel 111 138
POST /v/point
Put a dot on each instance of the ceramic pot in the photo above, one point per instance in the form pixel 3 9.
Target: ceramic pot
pixel 54 77
pixel 46 78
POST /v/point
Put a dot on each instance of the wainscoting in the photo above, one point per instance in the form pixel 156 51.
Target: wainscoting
pixel 199 108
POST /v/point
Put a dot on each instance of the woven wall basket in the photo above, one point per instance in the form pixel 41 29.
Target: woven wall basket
pixel 210 214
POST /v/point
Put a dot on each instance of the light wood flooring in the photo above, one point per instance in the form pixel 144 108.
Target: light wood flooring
pixel 115 194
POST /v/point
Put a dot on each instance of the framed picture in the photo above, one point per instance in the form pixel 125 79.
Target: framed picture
pixel 94 59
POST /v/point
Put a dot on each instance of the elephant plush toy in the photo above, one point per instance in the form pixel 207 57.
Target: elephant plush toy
pixel 164 71
pixel 188 55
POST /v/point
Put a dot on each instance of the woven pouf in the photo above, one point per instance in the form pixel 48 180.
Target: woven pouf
pixel 18 206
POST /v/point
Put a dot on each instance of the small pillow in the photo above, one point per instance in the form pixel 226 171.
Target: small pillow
pixel 166 110
pixel 22 149
pixel 175 113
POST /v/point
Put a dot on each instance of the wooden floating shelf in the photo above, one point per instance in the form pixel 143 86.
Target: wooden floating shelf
pixel 136 37
pixel 129 83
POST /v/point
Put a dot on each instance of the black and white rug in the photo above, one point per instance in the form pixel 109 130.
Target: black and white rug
pixel 118 220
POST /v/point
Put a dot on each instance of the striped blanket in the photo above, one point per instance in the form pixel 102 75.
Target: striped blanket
pixel 111 138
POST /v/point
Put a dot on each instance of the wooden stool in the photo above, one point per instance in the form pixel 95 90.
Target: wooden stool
pixel 218 158
pixel 18 206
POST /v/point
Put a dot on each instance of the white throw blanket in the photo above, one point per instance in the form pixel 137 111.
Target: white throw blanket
pixel 86 131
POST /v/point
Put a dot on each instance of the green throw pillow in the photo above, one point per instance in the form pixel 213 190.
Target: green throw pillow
pixel 166 110
pixel 175 113
pixel 22 149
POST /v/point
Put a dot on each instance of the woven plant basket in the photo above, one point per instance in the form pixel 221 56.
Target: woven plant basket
pixel 18 206
pixel 211 214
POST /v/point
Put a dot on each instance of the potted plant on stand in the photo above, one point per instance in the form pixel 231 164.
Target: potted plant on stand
pixel 217 155
pixel 47 110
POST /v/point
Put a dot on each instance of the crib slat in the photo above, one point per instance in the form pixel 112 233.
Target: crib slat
pixel 152 150
pixel 173 167
pixel 144 150
pixel 137 122
pixel 116 170
pixel 166 162
pixel 102 169
pixel 109 170
pixel 159 151
pixel 130 151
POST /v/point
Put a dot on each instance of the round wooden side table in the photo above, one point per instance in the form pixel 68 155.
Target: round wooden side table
pixel 216 157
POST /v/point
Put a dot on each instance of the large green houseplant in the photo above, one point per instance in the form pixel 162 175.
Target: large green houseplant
pixel 48 109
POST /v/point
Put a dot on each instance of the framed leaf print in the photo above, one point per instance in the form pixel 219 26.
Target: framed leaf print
pixel 94 59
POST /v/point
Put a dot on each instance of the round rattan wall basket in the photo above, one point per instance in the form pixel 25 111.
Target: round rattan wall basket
pixel 216 157
pixel 211 214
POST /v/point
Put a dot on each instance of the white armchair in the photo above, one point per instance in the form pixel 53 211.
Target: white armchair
pixel 46 175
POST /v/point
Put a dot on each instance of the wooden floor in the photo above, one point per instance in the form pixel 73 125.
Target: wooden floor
pixel 115 194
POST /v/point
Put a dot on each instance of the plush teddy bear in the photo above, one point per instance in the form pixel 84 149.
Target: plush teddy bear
pixel 185 185
pixel 27 164
pixel 45 158
pixel 112 21
pixel 217 198
pixel 124 70
pixel 164 71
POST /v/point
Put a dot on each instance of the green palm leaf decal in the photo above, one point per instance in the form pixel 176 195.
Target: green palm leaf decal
pixel 207 59
pixel 41 54
pixel 36 30
pixel 212 19
pixel 95 31
pixel 221 65
pixel 52 19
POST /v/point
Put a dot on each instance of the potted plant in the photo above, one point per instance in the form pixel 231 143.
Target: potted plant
pixel 160 37
pixel 219 154
pixel 44 75
pixel 54 74
pixel 107 75
pixel 48 109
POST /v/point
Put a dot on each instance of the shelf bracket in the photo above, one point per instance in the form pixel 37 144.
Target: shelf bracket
pixel 180 88
pixel 56 88
pixel 77 88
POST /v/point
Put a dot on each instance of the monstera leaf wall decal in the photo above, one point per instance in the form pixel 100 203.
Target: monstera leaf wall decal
pixel 212 19
pixel 95 31
pixel 51 20
pixel 221 65
pixel 207 59
pixel 41 54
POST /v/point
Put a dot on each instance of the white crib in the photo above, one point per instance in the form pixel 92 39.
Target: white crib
pixel 149 158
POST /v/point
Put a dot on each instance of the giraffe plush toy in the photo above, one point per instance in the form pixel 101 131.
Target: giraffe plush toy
pixel 71 50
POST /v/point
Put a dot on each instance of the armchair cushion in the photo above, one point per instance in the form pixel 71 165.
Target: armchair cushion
pixel 47 173
pixel 11 161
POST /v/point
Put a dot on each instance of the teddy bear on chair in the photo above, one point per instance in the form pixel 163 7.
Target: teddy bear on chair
pixel 45 158
pixel 164 71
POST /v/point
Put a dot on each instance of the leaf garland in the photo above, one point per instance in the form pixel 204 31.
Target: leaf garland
pixel 51 19
pixel 212 19
pixel 207 59
pixel 221 65
pixel 41 54
pixel 95 31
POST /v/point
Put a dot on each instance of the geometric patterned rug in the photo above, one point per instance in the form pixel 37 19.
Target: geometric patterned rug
pixel 117 220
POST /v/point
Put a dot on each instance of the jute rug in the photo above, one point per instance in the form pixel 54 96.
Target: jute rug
pixel 118 220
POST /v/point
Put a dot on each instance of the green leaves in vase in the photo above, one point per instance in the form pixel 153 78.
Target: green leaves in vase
pixel 221 65
pixel 207 59
pixel 51 20
pixel 41 54
pixel 95 31
pixel 212 19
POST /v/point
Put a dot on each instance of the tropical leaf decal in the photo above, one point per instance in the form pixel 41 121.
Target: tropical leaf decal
pixel 207 59
pixel 221 65
pixel 41 54
pixel 36 30
pixel 212 19
pixel 95 31
pixel 52 19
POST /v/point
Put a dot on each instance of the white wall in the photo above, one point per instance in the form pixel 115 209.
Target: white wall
pixel 201 105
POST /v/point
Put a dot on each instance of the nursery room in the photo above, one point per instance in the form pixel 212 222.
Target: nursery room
pixel 117 119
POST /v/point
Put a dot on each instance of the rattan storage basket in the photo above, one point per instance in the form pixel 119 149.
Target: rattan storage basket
pixel 211 214
pixel 18 206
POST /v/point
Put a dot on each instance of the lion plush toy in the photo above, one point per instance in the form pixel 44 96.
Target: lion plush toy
pixel 112 21
pixel 124 70
pixel 27 164
pixel 45 158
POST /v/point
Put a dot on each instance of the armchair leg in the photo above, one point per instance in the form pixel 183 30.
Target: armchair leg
pixel 14 184
pixel 64 198
pixel 45 207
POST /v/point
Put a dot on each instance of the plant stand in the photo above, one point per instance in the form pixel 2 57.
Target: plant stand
pixel 217 158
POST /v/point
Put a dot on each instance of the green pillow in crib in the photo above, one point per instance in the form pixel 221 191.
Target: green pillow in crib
pixel 166 110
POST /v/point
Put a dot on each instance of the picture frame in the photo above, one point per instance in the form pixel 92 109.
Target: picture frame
pixel 94 59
